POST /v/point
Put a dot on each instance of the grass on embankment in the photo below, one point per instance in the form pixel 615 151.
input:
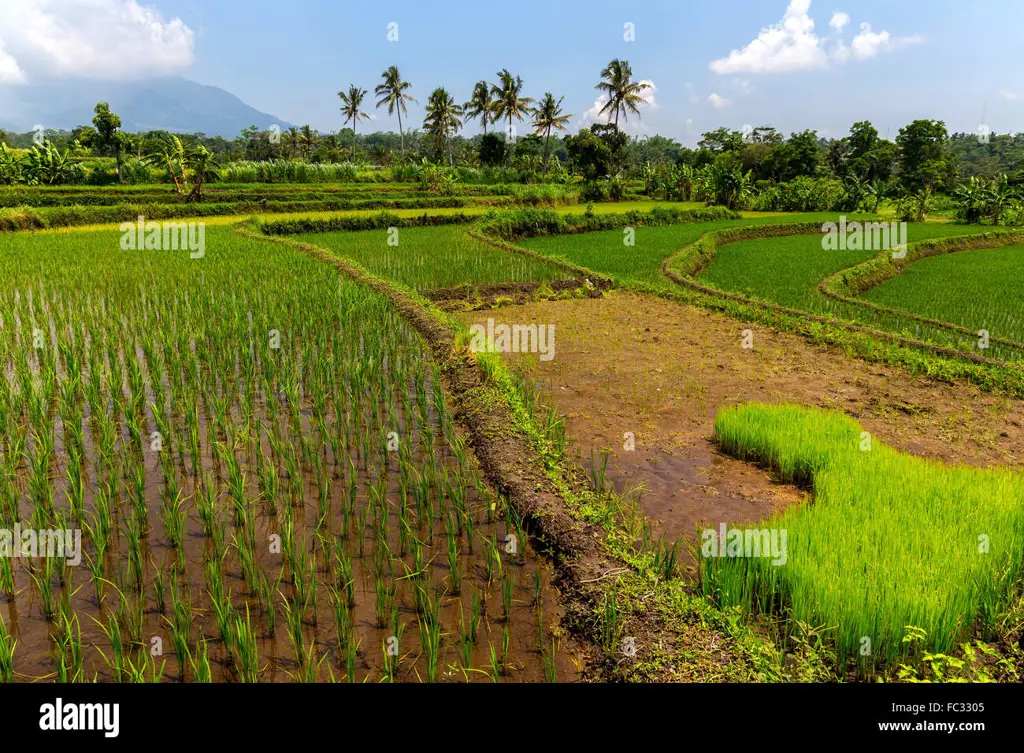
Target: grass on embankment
pixel 890 540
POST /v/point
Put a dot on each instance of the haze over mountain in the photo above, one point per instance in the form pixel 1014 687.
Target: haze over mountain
pixel 170 103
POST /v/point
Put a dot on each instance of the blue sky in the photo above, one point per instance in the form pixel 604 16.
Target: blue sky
pixel 817 68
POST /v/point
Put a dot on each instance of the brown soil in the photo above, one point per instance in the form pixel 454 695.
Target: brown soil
pixel 480 297
pixel 631 363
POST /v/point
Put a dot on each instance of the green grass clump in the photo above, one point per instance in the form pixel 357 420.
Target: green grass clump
pixel 890 540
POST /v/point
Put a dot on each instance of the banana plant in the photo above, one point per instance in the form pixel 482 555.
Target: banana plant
pixel 204 166
pixel 46 164
pixel 172 155
pixel 10 166
pixel 1000 194
pixel 970 200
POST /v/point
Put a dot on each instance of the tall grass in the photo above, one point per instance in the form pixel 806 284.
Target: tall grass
pixel 286 171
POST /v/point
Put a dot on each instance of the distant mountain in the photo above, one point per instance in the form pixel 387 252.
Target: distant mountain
pixel 173 104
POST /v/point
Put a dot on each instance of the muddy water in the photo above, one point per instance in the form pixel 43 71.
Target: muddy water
pixel 528 625
pixel 686 489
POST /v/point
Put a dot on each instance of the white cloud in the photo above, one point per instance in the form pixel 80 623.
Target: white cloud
pixel 94 38
pixel 1007 94
pixel 10 71
pixel 791 45
pixel 867 44
pixel 839 20
pixel 632 125
pixel 718 102
pixel 694 99
pixel 743 85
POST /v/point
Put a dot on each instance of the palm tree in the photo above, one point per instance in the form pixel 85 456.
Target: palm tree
pixel 308 139
pixel 352 101
pixel 443 120
pixel 292 135
pixel 393 93
pixel 548 116
pixel 480 105
pixel 507 100
pixel 624 94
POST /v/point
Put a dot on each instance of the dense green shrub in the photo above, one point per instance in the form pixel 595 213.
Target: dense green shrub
pixel 380 221
pixel 802 194
pixel 521 223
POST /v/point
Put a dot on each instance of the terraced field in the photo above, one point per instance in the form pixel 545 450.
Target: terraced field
pixel 270 470
pixel 981 289
pixel 607 251
pixel 262 468
pixel 434 257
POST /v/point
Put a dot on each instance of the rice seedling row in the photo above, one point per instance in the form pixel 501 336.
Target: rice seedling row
pixel 974 289
pixel 265 472
pixel 433 257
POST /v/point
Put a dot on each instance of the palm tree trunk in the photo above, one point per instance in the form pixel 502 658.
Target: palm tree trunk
pixel 401 132
pixel 353 140
pixel 508 151
pixel 547 140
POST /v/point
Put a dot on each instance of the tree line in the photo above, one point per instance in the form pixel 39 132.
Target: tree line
pixel 729 166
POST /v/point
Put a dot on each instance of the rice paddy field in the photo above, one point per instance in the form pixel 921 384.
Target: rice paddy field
pixel 787 271
pixel 271 482
pixel 976 289
pixel 266 471
pixel 430 258
pixel 606 252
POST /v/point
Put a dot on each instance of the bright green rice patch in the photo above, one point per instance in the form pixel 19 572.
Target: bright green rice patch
pixel 981 289
pixel 890 539
pixel 434 257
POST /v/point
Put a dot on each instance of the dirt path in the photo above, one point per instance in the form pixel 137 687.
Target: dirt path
pixel 660 370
